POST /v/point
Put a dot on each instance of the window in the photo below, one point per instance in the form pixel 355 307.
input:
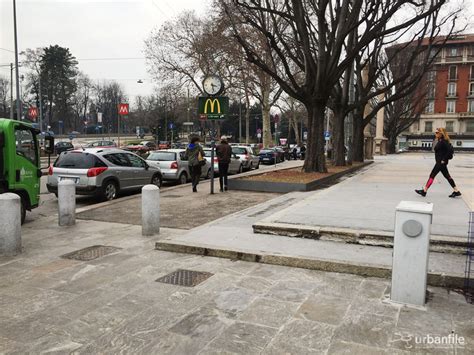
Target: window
pixel 470 106
pixel 450 126
pixel 431 90
pixel 136 161
pixel 119 159
pixel 453 71
pixel 429 106
pixel 470 126
pixel 78 160
pixel 451 89
pixel 431 75
pixel 471 89
pixel 453 52
pixel 450 106
pixel 25 144
pixel 472 73
pixel 428 126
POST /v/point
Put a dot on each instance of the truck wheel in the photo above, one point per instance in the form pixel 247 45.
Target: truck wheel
pixel 183 178
pixel 157 180
pixel 109 190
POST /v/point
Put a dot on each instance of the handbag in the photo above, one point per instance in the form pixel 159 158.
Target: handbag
pixel 201 160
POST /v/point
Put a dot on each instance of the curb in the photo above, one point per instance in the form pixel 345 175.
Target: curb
pixel 367 270
pixel 440 244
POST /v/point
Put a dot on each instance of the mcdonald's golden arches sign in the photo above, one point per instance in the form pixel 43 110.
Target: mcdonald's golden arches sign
pixel 213 107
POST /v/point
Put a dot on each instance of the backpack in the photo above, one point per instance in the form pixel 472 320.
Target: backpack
pixel 450 151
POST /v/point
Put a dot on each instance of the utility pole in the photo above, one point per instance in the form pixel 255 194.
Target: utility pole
pixel 18 104
pixel 11 91
pixel 40 104
pixel 240 120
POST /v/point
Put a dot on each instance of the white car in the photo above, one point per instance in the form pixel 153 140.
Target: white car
pixel 247 156
pixel 235 166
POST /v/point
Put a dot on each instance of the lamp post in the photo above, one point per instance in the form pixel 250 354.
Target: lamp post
pixel 18 104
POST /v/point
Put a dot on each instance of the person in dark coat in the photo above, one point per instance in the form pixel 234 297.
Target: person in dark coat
pixel 303 151
pixel 442 153
pixel 195 155
pixel 224 153
pixel 295 153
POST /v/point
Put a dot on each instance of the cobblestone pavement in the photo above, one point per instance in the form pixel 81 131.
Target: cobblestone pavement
pixel 113 304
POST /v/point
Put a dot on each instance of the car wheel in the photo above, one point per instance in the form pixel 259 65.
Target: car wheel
pixel 109 190
pixel 183 178
pixel 258 166
pixel 157 180
pixel 251 166
pixel 240 169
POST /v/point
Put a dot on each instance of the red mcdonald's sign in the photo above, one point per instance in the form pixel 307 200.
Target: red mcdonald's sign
pixel 123 109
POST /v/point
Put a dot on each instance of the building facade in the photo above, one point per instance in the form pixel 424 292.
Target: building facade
pixel 450 98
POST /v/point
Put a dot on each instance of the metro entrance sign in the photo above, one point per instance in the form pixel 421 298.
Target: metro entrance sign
pixel 123 109
pixel 33 113
pixel 213 107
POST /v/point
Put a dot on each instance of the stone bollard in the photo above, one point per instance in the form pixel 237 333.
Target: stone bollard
pixel 10 224
pixel 67 203
pixel 410 252
pixel 150 210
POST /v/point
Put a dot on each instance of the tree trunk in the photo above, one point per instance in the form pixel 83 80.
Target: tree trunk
pixel 247 119
pixel 338 148
pixel 267 130
pixel 358 137
pixel 295 129
pixel 315 160
pixel 392 144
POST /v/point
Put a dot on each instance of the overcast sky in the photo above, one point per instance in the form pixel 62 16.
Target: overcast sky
pixel 100 29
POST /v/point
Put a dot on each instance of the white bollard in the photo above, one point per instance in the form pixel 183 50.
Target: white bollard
pixel 10 224
pixel 67 203
pixel 410 252
pixel 150 210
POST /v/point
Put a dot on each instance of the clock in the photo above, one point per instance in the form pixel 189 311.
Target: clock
pixel 212 85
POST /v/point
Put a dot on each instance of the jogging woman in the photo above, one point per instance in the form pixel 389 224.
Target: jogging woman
pixel 442 156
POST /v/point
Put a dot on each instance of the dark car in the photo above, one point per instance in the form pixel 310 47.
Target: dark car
pixel 270 156
pixel 60 147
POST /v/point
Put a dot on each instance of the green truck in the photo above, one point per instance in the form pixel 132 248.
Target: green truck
pixel 20 169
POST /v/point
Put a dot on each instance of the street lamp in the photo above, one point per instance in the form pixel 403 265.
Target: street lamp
pixel 18 105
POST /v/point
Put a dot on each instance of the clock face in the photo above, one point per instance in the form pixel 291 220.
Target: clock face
pixel 212 84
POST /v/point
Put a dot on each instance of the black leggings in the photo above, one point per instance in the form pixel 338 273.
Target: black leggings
pixel 195 171
pixel 444 170
pixel 223 170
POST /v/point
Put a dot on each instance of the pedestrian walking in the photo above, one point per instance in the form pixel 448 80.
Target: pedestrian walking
pixel 443 153
pixel 303 151
pixel 195 156
pixel 295 153
pixel 224 153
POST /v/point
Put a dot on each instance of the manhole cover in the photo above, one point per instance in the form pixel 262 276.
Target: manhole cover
pixel 90 253
pixel 188 278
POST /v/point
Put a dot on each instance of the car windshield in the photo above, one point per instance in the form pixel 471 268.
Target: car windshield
pixel 162 156
pixel 78 160
pixel 238 150
pixel 265 151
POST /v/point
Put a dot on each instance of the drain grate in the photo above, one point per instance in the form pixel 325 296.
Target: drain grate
pixel 182 277
pixel 90 253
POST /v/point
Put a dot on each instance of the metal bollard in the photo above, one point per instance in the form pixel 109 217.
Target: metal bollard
pixel 10 224
pixel 150 210
pixel 67 203
pixel 410 252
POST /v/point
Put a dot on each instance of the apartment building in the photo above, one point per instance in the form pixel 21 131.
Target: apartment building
pixel 449 99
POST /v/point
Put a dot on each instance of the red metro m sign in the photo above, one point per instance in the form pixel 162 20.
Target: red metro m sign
pixel 33 113
pixel 123 109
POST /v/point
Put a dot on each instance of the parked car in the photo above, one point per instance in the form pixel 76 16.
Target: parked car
pixel 60 147
pixel 164 145
pixel 102 144
pixel 235 167
pixel 103 172
pixel 173 165
pixel 140 149
pixel 247 156
pixel 270 156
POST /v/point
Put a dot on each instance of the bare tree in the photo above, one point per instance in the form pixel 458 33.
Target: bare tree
pixel 311 38
pixel 4 97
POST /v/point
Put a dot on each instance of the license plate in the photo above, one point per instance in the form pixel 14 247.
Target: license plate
pixel 64 178
pixel 266 158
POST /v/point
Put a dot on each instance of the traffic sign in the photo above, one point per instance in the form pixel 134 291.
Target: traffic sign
pixel 327 134
pixel 171 126
pixel 259 130
pixel 33 112
pixel 259 135
pixel 123 109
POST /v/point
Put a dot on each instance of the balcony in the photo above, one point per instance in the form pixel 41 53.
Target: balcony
pixel 464 115
pixel 457 58
pixel 452 95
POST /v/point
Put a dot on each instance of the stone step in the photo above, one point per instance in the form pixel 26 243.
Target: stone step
pixel 440 244
pixel 445 270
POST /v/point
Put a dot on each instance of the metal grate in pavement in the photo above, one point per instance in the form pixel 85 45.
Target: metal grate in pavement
pixel 90 253
pixel 187 278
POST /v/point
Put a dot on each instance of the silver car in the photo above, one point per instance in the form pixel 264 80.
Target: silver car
pixel 103 172
pixel 173 165
pixel 235 166
pixel 247 156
